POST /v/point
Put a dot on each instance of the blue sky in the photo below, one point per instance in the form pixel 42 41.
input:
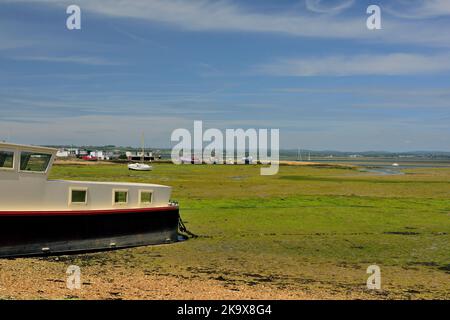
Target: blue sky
pixel 308 67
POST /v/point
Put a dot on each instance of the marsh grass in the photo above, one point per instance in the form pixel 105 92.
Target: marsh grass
pixel 307 228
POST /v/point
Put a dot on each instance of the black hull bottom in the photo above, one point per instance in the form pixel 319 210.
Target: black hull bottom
pixel 54 234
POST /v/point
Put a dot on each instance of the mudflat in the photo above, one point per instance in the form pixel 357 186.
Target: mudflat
pixel 309 232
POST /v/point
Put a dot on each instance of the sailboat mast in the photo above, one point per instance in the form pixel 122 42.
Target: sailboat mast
pixel 142 143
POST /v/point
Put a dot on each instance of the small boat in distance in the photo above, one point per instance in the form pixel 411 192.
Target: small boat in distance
pixel 42 216
pixel 140 166
pixel 395 164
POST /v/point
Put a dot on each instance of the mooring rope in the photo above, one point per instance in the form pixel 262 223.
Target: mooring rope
pixel 183 228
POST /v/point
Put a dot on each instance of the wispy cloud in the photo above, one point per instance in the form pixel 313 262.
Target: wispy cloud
pixel 9 40
pixel 321 6
pixel 137 38
pixel 92 129
pixel 418 9
pixel 201 74
pixel 387 64
pixel 421 92
pixel 14 44
pixel 207 15
pixel 87 60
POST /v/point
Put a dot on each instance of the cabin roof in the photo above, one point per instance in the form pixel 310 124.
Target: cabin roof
pixel 6 145
pixel 115 183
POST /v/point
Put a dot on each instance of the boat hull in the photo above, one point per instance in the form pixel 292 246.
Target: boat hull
pixel 140 167
pixel 44 233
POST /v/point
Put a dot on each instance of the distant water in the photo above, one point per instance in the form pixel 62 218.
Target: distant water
pixel 385 171
pixel 386 164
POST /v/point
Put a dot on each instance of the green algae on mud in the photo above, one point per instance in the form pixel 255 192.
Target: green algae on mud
pixel 307 228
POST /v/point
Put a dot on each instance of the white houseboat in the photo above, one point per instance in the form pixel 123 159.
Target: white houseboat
pixel 39 216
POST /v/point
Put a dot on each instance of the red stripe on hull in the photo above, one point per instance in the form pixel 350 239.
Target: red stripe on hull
pixel 85 212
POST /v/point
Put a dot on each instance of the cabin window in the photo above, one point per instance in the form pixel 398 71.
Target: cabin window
pixel 35 162
pixel 120 196
pixel 78 196
pixel 6 159
pixel 146 197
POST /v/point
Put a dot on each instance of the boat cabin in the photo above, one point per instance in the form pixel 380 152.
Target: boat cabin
pixel 24 185
pixel 42 216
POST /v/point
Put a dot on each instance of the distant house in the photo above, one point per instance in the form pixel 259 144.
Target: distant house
pixel 82 153
pixel 112 155
pixel 73 152
pixel 99 155
pixel 137 156
pixel 62 153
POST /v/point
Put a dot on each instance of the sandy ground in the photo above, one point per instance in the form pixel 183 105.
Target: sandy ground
pixel 43 279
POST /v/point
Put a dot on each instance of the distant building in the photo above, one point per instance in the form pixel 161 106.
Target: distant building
pixel 82 153
pixel 99 155
pixel 62 153
pixel 137 156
